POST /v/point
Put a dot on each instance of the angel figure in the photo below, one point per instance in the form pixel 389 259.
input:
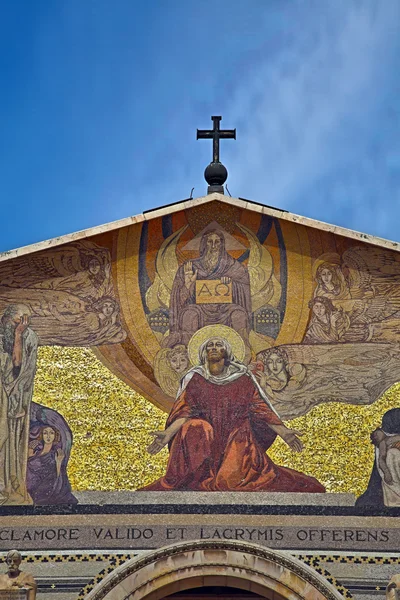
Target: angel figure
pixel 275 372
pixel 327 324
pixel 351 373
pixel 331 282
pixel 81 268
pixel 75 323
pixel 170 365
pixel 362 283
pixel 329 275
pixel 70 293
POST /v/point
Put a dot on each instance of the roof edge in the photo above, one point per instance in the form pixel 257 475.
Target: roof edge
pixel 186 204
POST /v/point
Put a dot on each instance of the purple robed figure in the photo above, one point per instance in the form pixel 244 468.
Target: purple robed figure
pixel 214 263
pixel 50 441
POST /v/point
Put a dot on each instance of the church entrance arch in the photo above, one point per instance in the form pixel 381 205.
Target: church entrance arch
pixel 248 567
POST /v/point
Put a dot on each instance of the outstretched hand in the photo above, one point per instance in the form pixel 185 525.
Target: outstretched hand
pixel 290 436
pixel 161 439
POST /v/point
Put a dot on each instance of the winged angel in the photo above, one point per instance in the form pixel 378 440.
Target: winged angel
pixel 298 377
pixel 364 286
pixel 69 292
pixel 174 287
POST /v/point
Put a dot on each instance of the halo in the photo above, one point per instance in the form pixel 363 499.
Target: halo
pixel 223 331
pixel 331 258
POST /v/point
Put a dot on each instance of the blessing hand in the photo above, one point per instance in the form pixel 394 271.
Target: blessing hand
pixel 290 436
pixel 161 439
pixel 189 274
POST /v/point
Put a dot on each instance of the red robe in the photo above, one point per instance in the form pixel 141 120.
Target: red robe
pixel 222 447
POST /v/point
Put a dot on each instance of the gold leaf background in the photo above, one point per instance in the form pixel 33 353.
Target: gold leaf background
pixel 112 426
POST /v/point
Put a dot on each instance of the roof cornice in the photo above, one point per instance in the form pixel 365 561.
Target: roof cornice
pixel 190 203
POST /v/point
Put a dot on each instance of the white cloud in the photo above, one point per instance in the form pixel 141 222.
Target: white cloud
pixel 304 110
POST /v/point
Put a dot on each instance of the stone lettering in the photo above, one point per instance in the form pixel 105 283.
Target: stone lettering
pixel 147 534
pixel 384 537
pixel 250 533
pixel 239 534
pixel 348 536
pixel 175 533
pixel 134 534
pixel 227 534
pixel 140 537
pixel 74 534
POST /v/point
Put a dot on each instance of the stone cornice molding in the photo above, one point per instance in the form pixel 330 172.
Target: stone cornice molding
pixel 190 203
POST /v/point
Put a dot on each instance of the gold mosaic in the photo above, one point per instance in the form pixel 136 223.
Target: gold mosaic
pixel 112 424
pixel 338 451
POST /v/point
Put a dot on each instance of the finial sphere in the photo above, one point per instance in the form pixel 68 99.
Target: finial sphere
pixel 215 174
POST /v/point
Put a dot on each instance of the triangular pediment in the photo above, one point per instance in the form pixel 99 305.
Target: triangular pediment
pixel 192 203
pixel 310 309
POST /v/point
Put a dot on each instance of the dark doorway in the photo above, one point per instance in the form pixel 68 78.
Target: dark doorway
pixel 214 593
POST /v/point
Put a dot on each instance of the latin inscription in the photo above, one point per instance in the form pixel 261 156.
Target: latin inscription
pixel 154 537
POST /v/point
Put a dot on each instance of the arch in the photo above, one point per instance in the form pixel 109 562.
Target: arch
pixel 268 573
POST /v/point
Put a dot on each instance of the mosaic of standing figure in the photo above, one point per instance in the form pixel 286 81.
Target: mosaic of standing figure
pixel 63 297
pixel 302 316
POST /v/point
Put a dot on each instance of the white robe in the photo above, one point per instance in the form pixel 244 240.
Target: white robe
pixel 232 372
pixel 15 401
pixel 391 493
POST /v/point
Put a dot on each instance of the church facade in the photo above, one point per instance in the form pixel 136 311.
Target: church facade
pixel 202 400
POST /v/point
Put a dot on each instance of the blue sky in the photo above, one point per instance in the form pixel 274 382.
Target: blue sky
pixel 101 100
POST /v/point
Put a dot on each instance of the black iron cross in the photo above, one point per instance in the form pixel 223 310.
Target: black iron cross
pixel 216 134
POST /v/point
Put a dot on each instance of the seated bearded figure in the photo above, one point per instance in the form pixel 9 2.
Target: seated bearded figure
pixel 214 263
